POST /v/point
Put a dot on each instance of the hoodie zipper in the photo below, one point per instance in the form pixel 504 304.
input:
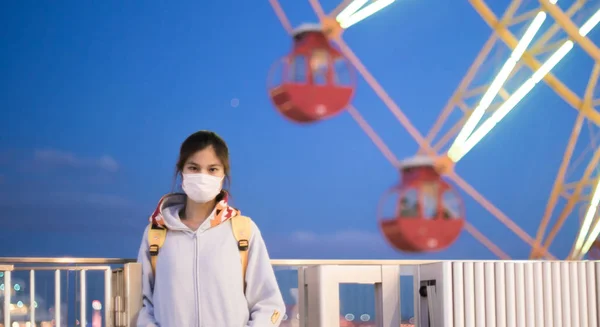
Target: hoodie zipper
pixel 196 297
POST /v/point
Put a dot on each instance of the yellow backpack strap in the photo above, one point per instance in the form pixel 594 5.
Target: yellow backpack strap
pixel 156 238
pixel 157 233
pixel 242 231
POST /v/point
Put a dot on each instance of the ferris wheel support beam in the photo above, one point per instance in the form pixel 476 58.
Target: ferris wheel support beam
pixel 572 30
pixel 522 17
pixel 458 95
pixel 571 186
pixel 471 135
pixel 594 139
pixel 590 226
pixel 507 37
pixel 446 138
pixel 573 200
pixel 457 100
pixel 555 28
pixel 559 183
pixel 586 185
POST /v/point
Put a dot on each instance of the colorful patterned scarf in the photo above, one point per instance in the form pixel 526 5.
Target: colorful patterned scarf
pixel 222 211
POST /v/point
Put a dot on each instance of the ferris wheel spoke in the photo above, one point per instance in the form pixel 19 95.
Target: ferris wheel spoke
pixel 486 242
pixel 387 100
pixel 281 15
pixel 503 218
pixel 362 123
pixel 317 8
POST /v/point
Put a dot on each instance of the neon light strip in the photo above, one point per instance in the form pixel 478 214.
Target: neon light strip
pixel 581 247
pixel 352 14
pixel 497 83
pixel 515 98
pixel 352 8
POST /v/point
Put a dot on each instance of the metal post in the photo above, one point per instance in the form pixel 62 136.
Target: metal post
pixel 7 291
pixel 108 302
pixel 32 297
pixel 57 320
pixel 302 299
pixel 133 292
pixel 387 297
pixel 83 298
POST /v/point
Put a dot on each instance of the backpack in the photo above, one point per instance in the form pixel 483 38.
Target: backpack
pixel 242 230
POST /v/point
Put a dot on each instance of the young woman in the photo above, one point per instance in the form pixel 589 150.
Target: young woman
pixel 195 278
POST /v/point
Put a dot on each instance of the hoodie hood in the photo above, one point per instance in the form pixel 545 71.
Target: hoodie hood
pixel 166 213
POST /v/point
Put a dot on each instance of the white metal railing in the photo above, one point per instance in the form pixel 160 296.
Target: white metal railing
pixel 60 267
pixel 445 293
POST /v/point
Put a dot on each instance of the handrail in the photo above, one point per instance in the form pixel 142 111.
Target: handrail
pixel 359 262
pixel 64 260
pixel 275 262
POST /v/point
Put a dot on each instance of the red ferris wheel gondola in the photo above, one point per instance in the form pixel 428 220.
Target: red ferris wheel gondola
pixel 428 214
pixel 314 82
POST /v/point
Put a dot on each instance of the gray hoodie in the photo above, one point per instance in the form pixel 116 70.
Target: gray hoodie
pixel 199 280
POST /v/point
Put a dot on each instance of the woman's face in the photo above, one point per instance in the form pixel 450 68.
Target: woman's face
pixel 204 162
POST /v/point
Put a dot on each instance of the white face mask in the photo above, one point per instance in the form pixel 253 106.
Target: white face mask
pixel 201 188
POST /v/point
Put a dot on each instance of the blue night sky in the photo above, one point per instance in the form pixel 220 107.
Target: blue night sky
pixel 97 96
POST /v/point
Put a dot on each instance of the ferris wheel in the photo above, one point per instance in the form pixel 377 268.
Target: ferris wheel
pixel 316 81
